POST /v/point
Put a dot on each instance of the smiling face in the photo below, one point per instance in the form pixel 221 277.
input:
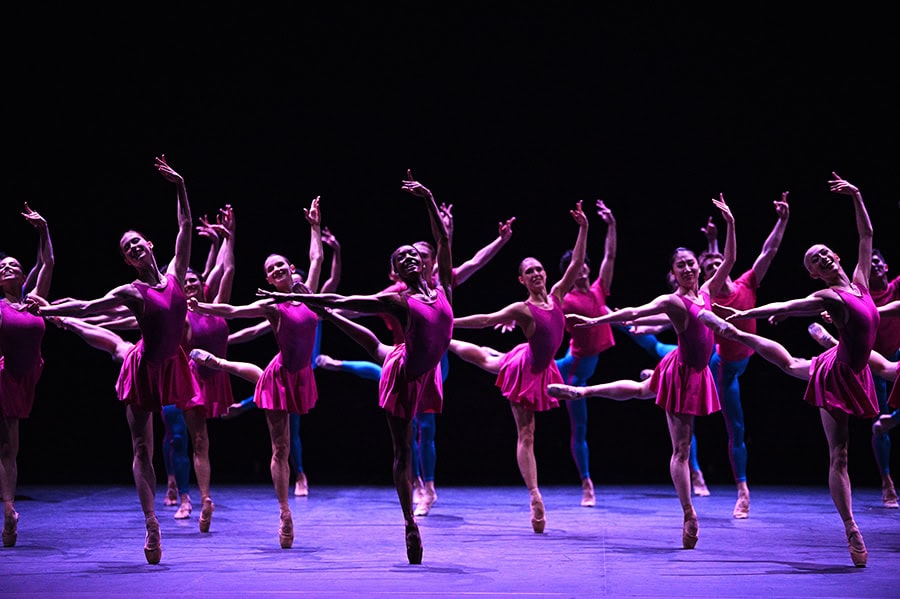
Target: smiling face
pixel 685 268
pixel 11 272
pixel 278 272
pixel 821 262
pixel 532 275
pixel 135 248
pixel 193 285
pixel 406 262
pixel 710 263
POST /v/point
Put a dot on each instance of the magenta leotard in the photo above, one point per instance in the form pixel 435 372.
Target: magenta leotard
pixel 411 375
pixel 211 334
pixel 682 380
pixel 155 371
pixel 839 377
pixel 527 369
pixel 21 363
pixel 287 384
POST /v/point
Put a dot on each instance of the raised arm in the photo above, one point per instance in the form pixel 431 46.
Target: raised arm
pixel 221 277
pixel 485 254
pixel 773 241
pixel 206 230
pixel 605 273
pixel 443 256
pixel 334 275
pixel 711 232
pixel 47 262
pixel 182 257
pixel 314 218
pixel 863 228
pixel 715 283
pixel 578 252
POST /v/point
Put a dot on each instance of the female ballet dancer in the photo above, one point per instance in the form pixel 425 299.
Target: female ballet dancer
pixel 155 372
pixel 840 380
pixel 21 364
pixel 524 372
pixel 682 382
pixel 586 344
pixel 287 385
pixel 411 374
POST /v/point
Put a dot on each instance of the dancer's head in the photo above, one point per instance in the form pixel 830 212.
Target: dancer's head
pixel 426 251
pixel 879 265
pixel 821 262
pixel 135 248
pixel 566 259
pixel 533 275
pixel 406 264
pixel 194 285
pixel 684 267
pixel 279 272
pixel 710 263
pixel 12 277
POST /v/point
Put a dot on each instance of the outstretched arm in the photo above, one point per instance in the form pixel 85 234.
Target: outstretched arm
pixel 382 303
pixel 863 228
pixel 625 315
pixel 250 333
pixel 443 255
pixel 47 262
pixel 578 252
pixel 124 295
pixel 714 284
pixel 258 309
pixel 773 241
pixel 812 305
pixel 182 257
pixel 485 254
pixel 609 246
pixel 517 312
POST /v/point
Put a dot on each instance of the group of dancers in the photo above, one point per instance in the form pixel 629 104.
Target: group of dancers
pixel 178 367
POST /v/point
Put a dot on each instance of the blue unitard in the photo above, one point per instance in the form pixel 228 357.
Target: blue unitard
pixel 424 453
pixel 175 447
pixel 577 371
pixel 881 444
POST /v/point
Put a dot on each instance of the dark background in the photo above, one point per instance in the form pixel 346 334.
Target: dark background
pixel 517 112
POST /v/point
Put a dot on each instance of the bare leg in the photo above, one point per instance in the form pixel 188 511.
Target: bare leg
pixel 680 427
pixel 245 370
pixel 363 336
pixel 141 425
pixel 617 390
pixel 196 423
pixel 280 434
pixel 836 426
pixel 485 358
pixel 9 474
pixel 401 440
pixel 96 336
pixel 528 465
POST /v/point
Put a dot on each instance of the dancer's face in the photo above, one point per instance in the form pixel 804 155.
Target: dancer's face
pixel 685 269
pixel 135 248
pixel 532 274
pixel 193 287
pixel 278 272
pixel 711 266
pixel 11 271
pixel 407 262
pixel 821 262
pixel 427 257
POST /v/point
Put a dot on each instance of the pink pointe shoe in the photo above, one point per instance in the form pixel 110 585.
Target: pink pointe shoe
pixel 153 541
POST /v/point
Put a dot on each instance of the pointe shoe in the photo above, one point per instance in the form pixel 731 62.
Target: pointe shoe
pixel 10 528
pixel 742 507
pixel 153 541
pixel 185 509
pixel 203 357
pixel 645 374
pixel 699 485
pixel 418 486
pixel 429 496
pixel 560 391
pixel 413 544
pixel 587 493
pixel 883 425
pixel 286 530
pixel 690 533
pixel 889 497
pixel 206 513
pixel 538 517
pixel 858 552
pixel 171 496
pixel 327 362
pixel 821 335
pixel 301 487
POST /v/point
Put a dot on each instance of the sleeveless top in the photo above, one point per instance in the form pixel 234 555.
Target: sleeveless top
pixel 428 333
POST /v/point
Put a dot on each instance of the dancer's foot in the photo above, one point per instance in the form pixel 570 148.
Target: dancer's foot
pixel 206 513
pixel 301 486
pixel 153 541
pixel 327 362
pixel 821 335
pixel 719 325
pixel 185 509
pixel 538 517
pixel 857 546
pixel 699 485
pixel 645 374
pixel 690 531
pixel 587 493
pixel 171 495
pixel 204 358
pixel 10 527
pixel 742 506
pixel 236 409
pixel 418 486
pixel 884 424
pixel 286 530
pixel 560 391
pixel 889 496
pixel 413 544
pixel 429 496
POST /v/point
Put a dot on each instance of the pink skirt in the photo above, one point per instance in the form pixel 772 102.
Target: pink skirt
pixel 149 386
pixel 681 389
pixel 405 398
pixel 524 387
pixel 215 394
pixel 280 389
pixel 834 386
pixel 17 392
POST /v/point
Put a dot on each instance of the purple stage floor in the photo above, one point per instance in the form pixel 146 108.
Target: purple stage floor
pixel 79 541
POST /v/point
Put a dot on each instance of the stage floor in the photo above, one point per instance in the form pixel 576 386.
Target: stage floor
pixel 79 541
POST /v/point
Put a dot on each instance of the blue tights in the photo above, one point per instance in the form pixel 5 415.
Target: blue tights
pixel 577 371
pixel 175 447
pixel 881 444
pixel 424 453
pixel 726 374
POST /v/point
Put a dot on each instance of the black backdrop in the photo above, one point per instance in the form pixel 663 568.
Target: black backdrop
pixel 501 113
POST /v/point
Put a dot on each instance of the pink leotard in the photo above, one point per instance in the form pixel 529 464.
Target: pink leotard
pixel 839 377
pixel 211 334
pixel 682 380
pixel 155 371
pixel 588 341
pixel 527 369
pixel 287 383
pixel 21 363
pixel 411 375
